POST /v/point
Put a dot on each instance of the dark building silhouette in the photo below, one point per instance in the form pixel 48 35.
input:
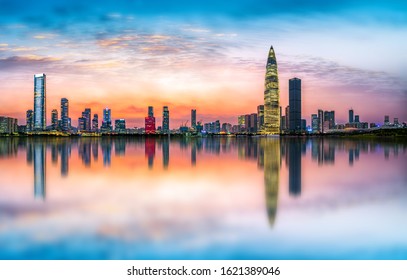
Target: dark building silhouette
pixel 294 167
pixel 294 86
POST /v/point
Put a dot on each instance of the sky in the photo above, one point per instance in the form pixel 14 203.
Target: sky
pixel 209 55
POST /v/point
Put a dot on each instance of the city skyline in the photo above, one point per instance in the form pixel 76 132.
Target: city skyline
pixel 129 56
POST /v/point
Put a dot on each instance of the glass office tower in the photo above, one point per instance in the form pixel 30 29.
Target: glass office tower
pixel 271 97
pixel 39 102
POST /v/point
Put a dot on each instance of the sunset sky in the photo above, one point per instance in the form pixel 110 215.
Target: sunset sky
pixel 209 55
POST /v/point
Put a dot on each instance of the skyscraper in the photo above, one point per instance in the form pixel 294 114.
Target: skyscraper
pixel 320 121
pixel 271 97
pixel 65 115
pixel 95 123
pixel 166 120
pixel 260 117
pixel 54 119
pixel 193 119
pixel 150 111
pixel 87 116
pixel 294 88
pixel 29 121
pixel 314 123
pixel 40 102
pixel 107 120
pixel 351 116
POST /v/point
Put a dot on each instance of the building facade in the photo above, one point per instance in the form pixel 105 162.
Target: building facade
pixel 166 120
pixel 40 102
pixel 294 89
pixel 193 119
pixel 271 97
pixel 65 122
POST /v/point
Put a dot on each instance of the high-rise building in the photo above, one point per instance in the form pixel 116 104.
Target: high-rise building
pixel 386 120
pixel 54 119
pixel 329 120
pixel 149 125
pixel 320 121
pixel 193 119
pixel 357 119
pixel 351 120
pixel 314 123
pixel 95 123
pixel 166 120
pixel 271 97
pixel 260 117
pixel 40 122
pixel 87 115
pixel 287 118
pixel 396 121
pixel 29 121
pixel 65 126
pixel 247 123
pixel 295 104
pixel 150 111
pixel 241 122
pixel 107 120
pixel 120 126
pixel 253 123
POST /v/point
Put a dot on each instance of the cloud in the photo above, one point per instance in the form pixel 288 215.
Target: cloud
pixel 324 72
pixel 26 61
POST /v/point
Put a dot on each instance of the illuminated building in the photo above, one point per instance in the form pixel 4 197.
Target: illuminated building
pixel 150 125
pixel 294 88
pixel 39 102
pixel 29 120
pixel 95 123
pixel 241 122
pixel 65 121
pixel 193 119
pixel 386 120
pixel 8 125
pixel 150 111
pixel 329 119
pixel 120 126
pixel 314 123
pixel 107 120
pixel 271 97
pixel 166 120
pixel 87 116
pixel 260 116
pixel 54 119
pixel 357 120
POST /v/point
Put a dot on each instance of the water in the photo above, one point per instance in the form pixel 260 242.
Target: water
pixel 204 198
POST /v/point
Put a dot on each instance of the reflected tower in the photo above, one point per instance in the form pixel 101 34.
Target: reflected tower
pixel 294 167
pixel 271 97
pixel 39 155
pixel 271 152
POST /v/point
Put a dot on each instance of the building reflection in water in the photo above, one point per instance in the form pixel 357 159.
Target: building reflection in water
pixel 39 158
pixel 270 148
pixel 268 153
pixel 295 148
pixel 166 151
pixel 150 151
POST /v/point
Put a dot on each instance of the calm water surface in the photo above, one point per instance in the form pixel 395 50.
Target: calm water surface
pixel 206 198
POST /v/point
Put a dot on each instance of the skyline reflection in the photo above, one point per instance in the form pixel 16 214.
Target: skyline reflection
pixel 266 152
pixel 170 197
